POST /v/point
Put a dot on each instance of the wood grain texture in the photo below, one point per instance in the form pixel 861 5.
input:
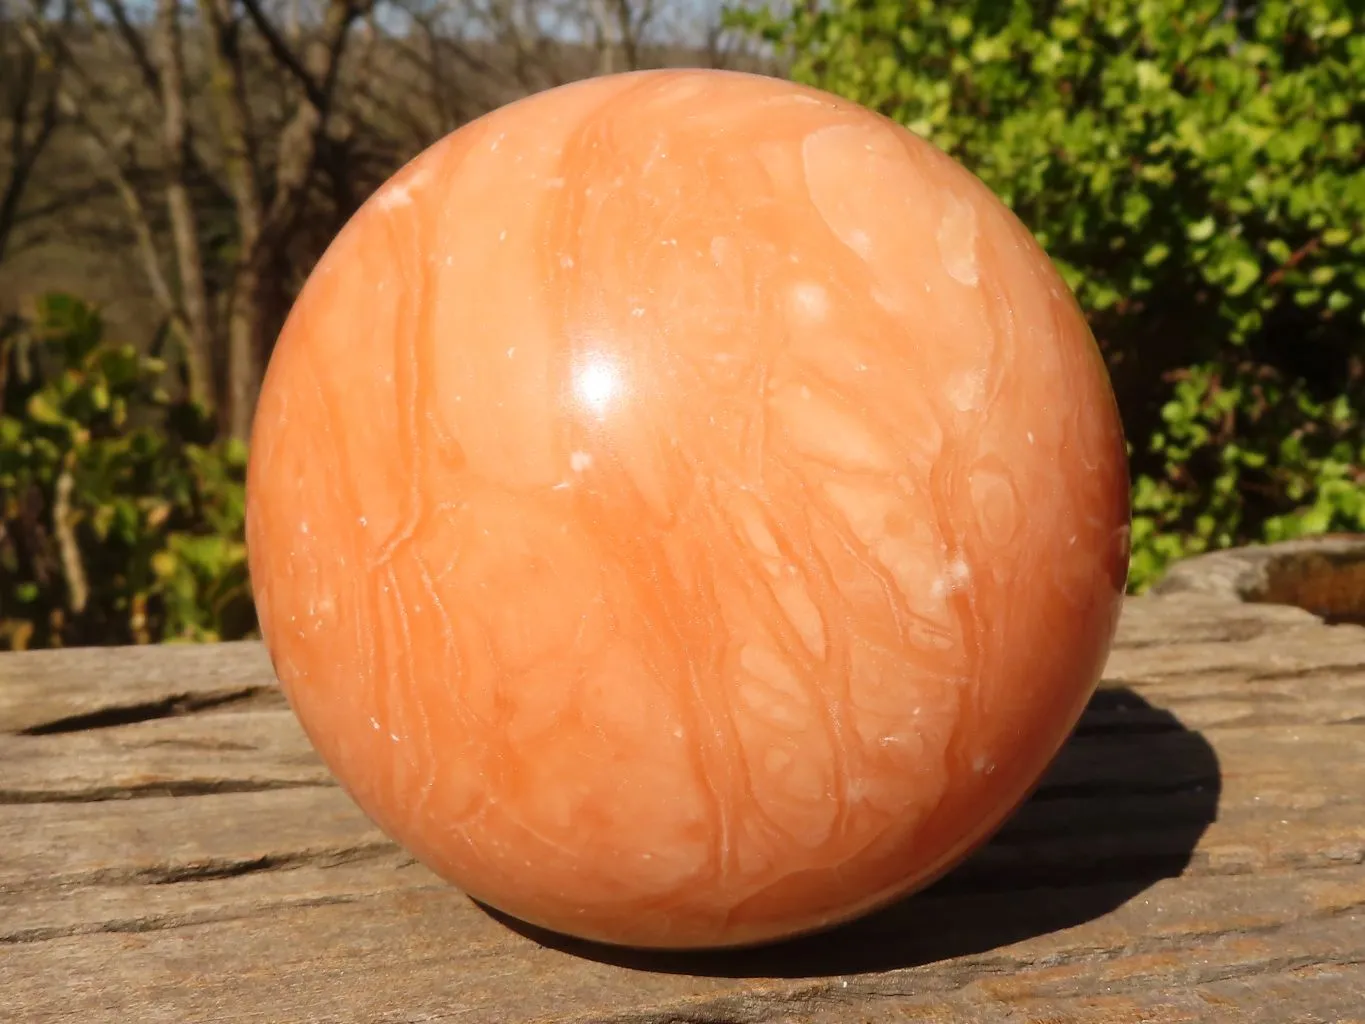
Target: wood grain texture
pixel 172 850
pixel 94 687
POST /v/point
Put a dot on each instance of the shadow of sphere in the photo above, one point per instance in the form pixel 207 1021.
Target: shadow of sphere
pixel 1122 807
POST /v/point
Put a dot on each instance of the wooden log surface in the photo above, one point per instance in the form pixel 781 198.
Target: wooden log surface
pixel 171 850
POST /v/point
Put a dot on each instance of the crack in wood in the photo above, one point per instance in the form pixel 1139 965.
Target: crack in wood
pixel 1327 673
pixel 1111 789
pixel 173 706
pixel 164 788
pixel 167 922
pixel 220 868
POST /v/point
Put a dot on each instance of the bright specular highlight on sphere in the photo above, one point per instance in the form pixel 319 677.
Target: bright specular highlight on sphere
pixel 687 510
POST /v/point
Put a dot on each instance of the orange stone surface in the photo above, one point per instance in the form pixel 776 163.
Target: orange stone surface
pixel 687 510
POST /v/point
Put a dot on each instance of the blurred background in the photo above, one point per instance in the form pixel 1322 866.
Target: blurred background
pixel 170 170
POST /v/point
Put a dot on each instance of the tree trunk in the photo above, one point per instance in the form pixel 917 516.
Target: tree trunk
pixel 264 231
pixel 27 141
pixel 180 209
pixel 239 159
pixel 245 361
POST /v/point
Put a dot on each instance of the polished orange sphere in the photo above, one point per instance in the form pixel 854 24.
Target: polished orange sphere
pixel 687 510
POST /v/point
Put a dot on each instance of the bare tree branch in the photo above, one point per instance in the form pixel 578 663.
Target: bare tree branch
pixel 64 529
pixel 299 144
pixel 282 52
pixel 265 224
pixel 196 160
pixel 225 213
pixel 33 116
pixel 107 158
pixel 132 39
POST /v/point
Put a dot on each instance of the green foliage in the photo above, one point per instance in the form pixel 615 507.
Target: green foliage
pixel 1196 168
pixel 1235 446
pixel 120 520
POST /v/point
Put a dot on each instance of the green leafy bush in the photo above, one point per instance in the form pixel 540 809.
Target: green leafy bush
pixel 120 520
pixel 1196 168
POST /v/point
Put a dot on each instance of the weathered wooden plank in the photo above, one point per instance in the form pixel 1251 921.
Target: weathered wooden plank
pixel 1315 993
pixel 1274 809
pixel 83 687
pixel 71 689
pixel 422 955
pixel 219 889
pixel 1196 853
pixel 259 750
pixel 266 749
pixel 1335 697
pixel 1276 756
pixel 1286 654
pixel 1196 618
pixel 162 840
pixel 250 750
pixel 43 692
pixel 232 855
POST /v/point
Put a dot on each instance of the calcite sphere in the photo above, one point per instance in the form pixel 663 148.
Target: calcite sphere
pixel 687 510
